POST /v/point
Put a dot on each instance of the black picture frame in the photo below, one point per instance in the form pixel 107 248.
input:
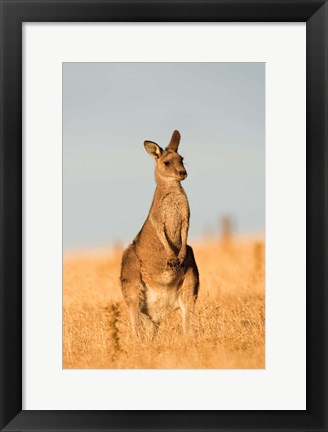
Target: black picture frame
pixel 13 14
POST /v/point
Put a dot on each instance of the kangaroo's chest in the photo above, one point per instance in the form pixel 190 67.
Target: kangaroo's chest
pixel 175 210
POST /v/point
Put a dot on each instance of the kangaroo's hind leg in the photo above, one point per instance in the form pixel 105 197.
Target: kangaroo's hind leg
pixel 132 286
pixel 188 292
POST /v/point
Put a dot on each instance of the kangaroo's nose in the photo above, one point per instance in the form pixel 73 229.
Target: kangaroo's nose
pixel 184 172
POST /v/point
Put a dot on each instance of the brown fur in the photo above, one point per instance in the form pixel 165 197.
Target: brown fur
pixel 158 271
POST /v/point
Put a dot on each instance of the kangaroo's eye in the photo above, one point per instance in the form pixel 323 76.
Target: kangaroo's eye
pixel 167 163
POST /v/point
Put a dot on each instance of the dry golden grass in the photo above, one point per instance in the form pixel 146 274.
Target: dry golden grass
pixel 229 321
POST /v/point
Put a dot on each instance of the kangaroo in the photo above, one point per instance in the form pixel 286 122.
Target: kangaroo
pixel 158 270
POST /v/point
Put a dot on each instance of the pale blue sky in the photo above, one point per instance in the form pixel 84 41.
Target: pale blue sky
pixel 110 109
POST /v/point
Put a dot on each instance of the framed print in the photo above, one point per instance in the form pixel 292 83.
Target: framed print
pixel 198 296
pixel 97 339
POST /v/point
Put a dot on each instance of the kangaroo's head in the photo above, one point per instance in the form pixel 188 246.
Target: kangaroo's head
pixel 169 164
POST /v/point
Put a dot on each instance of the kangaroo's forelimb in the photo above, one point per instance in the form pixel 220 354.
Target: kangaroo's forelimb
pixel 184 234
pixel 173 262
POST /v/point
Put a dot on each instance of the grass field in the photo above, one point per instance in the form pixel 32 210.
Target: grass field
pixel 229 321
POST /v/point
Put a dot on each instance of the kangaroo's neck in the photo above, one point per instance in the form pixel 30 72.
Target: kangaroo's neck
pixel 167 185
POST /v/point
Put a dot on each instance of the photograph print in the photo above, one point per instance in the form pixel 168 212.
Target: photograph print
pixel 163 215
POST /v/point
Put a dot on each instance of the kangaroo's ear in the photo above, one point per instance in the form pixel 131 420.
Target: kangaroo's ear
pixel 153 149
pixel 175 141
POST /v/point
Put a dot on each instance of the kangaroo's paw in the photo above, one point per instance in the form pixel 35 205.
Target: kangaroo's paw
pixel 174 264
